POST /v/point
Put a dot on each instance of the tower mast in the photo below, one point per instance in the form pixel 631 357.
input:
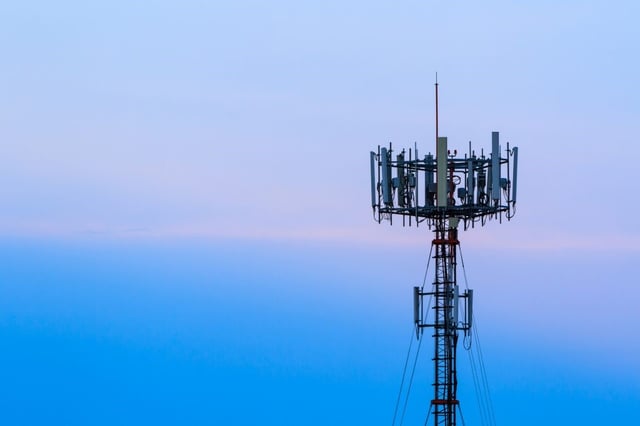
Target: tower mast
pixel 445 332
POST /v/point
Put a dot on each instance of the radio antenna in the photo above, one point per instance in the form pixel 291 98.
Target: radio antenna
pixel 436 108
pixel 445 192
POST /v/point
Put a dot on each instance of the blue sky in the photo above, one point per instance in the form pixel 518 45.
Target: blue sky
pixel 186 225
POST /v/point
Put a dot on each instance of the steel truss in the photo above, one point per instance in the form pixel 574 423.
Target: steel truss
pixel 445 332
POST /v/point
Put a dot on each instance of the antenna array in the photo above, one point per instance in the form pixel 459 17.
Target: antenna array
pixel 472 188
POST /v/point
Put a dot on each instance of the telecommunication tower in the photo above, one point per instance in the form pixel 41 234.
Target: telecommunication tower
pixel 444 192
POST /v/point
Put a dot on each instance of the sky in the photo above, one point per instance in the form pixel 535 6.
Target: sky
pixel 186 227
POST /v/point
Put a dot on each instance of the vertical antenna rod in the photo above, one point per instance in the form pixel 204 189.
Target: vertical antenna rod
pixel 436 108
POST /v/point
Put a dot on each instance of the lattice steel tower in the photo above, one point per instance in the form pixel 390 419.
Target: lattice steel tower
pixel 444 192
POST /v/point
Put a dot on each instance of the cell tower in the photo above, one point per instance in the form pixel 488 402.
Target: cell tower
pixel 444 192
